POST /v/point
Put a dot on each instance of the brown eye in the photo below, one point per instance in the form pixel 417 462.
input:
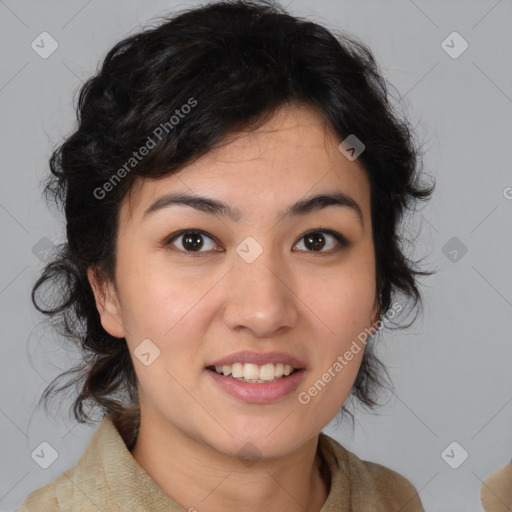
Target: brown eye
pixel 191 241
pixel 316 241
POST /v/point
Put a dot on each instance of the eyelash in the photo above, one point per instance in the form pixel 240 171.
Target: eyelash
pixel 342 241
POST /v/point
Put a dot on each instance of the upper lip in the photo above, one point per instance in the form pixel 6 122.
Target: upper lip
pixel 259 358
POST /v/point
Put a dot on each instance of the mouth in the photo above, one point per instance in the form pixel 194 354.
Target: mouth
pixel 273 387
pixel 229 374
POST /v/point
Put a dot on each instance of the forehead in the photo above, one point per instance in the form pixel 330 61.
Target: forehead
pixel 292 155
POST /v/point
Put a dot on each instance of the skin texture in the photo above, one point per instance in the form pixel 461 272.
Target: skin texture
pixel 311 303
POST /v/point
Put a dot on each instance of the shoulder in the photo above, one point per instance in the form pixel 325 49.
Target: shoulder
pixel 45 498
pixel 81 487
pixel 372 485
pixel 394 490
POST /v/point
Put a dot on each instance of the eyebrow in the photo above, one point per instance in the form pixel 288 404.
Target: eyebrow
pixel 216 207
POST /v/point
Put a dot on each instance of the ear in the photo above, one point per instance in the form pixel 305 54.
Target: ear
pixel 107 303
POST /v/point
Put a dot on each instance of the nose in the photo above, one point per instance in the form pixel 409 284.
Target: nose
pixel 260 297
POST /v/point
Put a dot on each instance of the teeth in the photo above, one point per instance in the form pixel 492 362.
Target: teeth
pixel 251 371
pixel 237 370
pixel 266 372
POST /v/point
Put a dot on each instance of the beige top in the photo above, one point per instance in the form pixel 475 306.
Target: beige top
pixel 108 478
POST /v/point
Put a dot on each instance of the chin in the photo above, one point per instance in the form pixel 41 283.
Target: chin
pixel 259 441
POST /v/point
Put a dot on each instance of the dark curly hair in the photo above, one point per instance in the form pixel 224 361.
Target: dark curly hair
pixel 237 62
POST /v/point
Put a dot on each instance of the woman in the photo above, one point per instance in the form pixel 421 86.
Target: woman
pixel 232 193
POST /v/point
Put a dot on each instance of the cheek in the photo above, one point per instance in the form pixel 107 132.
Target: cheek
pixel 146 295
pixel 343 300
pixel 345 306
pixel 159 301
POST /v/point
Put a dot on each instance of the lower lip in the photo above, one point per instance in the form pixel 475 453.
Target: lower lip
pixel 258 393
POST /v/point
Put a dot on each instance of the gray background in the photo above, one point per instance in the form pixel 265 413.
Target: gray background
pixel 451 370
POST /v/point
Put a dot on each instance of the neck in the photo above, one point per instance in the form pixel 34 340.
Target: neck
pixel 197 476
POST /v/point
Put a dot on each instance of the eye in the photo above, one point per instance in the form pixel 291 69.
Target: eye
pixel 316 240
pixel 192 240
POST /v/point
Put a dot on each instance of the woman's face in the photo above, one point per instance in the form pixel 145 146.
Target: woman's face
pixel 252 282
